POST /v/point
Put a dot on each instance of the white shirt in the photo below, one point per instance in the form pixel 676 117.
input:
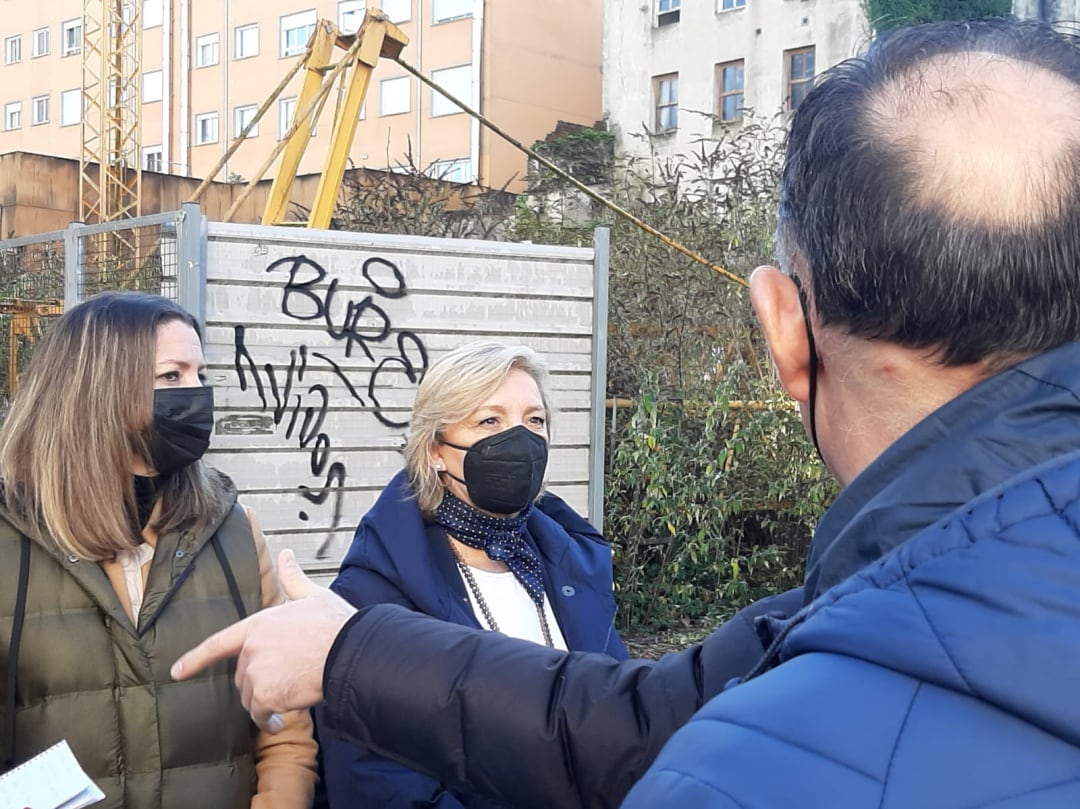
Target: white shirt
pixel 132 563
pixel 511 607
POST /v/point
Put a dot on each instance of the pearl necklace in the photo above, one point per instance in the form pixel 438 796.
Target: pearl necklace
pixel 466 573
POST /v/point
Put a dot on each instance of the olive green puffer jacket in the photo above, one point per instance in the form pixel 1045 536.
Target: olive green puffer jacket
pixel 87 674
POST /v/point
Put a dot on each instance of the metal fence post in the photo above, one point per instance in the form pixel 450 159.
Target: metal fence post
pixel 601 252
pixel 74 256
pixel 191 243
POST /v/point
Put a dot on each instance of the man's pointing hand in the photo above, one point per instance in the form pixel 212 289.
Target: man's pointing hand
pixel 281 651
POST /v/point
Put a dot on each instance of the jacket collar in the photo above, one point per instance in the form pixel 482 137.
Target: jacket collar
pixel 415 557
pixel 983 603
pixel 174 554
pixel 1017 419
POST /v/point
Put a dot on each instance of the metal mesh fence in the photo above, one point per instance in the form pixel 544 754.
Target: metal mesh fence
pixel 31 297
pixel 139 258
pixel 33 271
pixel 39 274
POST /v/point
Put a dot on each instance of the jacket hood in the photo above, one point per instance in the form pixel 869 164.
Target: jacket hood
pixel 986 603
pixel 1014 420
pixel 413 558
pixel 190 540
pixel 974 518
pixel 174 558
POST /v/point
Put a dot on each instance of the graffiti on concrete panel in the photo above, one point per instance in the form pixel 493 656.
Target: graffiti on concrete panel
pixel 363 327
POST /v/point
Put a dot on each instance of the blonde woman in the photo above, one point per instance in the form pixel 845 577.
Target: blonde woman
pixel 119 548
pixel 465 534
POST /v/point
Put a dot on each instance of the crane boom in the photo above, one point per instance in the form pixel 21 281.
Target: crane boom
pixel 110 165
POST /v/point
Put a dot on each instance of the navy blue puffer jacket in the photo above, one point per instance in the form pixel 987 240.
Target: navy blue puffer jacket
pixel 397 558
pixel 945 675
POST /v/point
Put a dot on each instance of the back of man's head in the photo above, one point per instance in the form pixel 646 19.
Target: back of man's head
pixel 932 190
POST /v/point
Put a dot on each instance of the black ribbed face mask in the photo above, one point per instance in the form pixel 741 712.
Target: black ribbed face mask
pixel 504 472
pixel 182 425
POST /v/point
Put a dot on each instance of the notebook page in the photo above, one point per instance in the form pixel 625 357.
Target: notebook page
pixel 51 780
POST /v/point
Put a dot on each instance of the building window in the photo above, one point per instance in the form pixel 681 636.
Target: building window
pixel 666 100
pixel 246 41
pixel 729 78
pixel 71 107
pixel 444 10
pixel 350 13
pixel 286 114
pixel 13 49
pixel 206 50
pixel 731 5
pixel 13 115
pixel 152 158
pixel 667 11
pixel 296 30
pixel 152 13
pixel 800 75
pixel 39 110
pixel 71 37
pixel 206 128
pixel 458 82
pixel 242 116
pixel 394 96
pixel 39 42
pixel 152 86
pixel 451 171
pixel 397 10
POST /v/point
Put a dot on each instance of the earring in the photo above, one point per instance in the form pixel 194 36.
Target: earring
pixel 438 467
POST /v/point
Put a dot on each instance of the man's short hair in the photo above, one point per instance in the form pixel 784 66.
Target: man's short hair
pixel 916 228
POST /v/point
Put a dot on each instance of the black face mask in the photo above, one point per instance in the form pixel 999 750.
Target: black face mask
pixel 146 491
pixel 504 472
pixel 183 422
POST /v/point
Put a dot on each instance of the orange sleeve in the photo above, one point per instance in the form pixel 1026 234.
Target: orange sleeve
pixel 285 761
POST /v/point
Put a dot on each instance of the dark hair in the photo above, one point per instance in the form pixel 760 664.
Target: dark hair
pixel 83 410
pixel 884 266
pixel 140 312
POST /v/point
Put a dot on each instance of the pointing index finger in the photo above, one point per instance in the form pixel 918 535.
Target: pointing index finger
pixel 219 646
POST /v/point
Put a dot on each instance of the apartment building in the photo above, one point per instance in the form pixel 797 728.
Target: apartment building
pixel 206 67
pixel 676 70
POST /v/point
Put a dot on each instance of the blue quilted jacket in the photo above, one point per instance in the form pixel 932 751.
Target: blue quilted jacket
pixel 943 675
pixel 397 558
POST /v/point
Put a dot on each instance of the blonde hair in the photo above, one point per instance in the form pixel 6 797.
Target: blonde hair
pixel 452 388
pixel 83 411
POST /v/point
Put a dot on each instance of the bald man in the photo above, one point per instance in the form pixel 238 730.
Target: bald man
pixel 930 236
pixel 926 318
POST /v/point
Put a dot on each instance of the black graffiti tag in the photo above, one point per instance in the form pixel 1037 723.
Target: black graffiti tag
pixel 403 359
pixel 299 294
pixel 303 300
pixel 307 295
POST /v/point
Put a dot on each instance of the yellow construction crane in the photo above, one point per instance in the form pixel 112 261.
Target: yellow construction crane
pixel 25 323
pixel 110 173
pixel 110 165
pixel 377 38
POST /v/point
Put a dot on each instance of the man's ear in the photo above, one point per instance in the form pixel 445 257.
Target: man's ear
pixel 775 299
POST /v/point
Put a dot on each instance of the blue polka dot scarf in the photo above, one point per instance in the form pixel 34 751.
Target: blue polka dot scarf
pixel 501 538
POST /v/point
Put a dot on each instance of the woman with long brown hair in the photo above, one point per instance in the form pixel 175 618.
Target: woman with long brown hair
pixel 120 548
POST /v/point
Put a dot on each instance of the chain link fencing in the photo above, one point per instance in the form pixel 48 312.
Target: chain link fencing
pixel 42 275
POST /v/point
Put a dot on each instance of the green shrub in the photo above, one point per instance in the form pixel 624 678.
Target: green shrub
pixel 712 489
pixel 886 14
pixel 709 505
